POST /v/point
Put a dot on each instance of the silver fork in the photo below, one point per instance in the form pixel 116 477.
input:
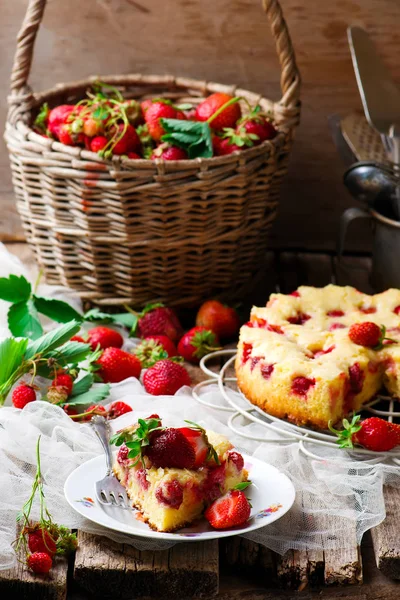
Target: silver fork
pixel 109 491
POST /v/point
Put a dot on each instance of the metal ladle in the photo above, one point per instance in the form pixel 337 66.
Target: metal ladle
pixel 369 181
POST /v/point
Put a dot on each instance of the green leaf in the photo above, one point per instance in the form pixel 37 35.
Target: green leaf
pixel 95 314
pixel 92 396
pixel 57 310
pixel 23 320
pixel 127 319
pixel 50 341
pixel 192 136
pixel 82 385
pixel 242 486
pixel 70 353
pixel 184 106
pixel 41 120
pixel 12 352
pixel 15 288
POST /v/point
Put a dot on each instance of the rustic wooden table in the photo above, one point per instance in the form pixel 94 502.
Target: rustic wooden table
pixel 237 568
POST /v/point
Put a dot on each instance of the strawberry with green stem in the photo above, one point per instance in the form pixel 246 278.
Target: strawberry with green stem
pixel 44 536
pixel 372 433
pixel 196 343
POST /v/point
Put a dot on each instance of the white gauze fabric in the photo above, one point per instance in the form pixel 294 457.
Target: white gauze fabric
pixel 337 498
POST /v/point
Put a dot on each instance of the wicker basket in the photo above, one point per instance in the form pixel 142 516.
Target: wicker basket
pixel 130 231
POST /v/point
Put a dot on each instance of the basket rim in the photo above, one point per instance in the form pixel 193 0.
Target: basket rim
pixel 171 84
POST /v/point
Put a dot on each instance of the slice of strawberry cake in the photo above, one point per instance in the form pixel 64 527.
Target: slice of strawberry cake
pixel 298 359
pixel 173 474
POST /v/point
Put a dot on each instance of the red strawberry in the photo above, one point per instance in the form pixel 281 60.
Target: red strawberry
pixel 165 378
pixel 128 139
pixel 117 365
pixel 216 142
pixel 227 118
pixel 165 342
pixel 237 459
pixel 66 136
pixel 397 310
pixel 230 510
pixel 301 385
pixel 152 116
pixel 157 319
pixel 78 338
pixel 57 117
pixel 170 493
pixel 227 147
pixel 367 334
pixel 98 143
pixel 122 456
pixel 146 104
pixel 150 350
pixel 197 438
pixel 118 408
pixel 70 410
pixel 372 433
pixel 65 381
pixel 22 395
pixel 168 152
pixel 170 448
pixel 39 562
pixel 196 343
pixel 105 338
pixel 133 155
pixel 40 540
pixel 260 127
pixel 221 319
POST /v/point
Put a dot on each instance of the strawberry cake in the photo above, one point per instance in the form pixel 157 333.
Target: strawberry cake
pixel 297 361
pixel 173 474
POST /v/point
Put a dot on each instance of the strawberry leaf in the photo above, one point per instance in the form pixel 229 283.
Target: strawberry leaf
pixel 93 396
pixel 242 486
pixel 57 310
pixel 127 319
pixel 41 120
pixel 11 354
pixel 192 136
pixel 70 353
pixel 53 339
pixel 15 288
pixel 82 385
pixel 23 320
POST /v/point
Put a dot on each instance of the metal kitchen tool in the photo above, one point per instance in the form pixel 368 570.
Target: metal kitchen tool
pixel 109 491
pixel 369 182
pixel 379 94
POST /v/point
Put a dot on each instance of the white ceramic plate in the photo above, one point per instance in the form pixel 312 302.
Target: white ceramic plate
pixel 272 495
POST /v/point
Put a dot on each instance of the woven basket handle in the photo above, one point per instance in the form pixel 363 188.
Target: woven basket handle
pixel 290 78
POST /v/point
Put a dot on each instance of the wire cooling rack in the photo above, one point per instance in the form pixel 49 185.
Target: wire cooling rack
pixel 242 412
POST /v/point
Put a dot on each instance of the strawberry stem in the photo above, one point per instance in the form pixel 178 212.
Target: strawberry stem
pixel 222 108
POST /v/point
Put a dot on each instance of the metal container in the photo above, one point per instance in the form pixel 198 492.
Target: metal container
pixel 386 245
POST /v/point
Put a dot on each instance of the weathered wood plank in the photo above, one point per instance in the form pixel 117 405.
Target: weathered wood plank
pixel 385 536
pixel 20 584
pixel 112 570
pixel 343 566
pixel 239 555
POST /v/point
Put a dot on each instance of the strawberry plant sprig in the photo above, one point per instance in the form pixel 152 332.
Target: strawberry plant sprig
pixel 43 536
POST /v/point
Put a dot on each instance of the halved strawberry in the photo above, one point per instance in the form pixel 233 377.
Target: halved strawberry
pixel 229 511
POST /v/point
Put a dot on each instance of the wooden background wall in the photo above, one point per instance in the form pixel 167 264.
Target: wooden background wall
pixel 227 41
